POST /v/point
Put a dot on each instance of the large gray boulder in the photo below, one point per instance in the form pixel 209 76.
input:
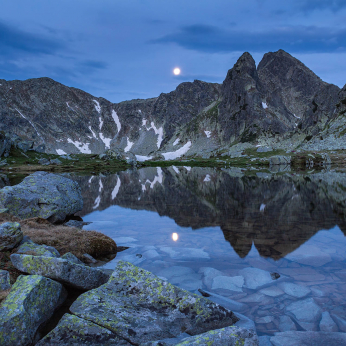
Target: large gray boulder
pixel 30 303
pixel 10 235
pixel 62 270
pixel 73 330
pixel 140 307
pixel 230 336
pixel 45 195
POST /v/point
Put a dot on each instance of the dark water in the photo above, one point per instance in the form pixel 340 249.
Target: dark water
pixel 225 231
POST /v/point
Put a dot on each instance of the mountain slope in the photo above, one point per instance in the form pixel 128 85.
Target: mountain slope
pixel 281 98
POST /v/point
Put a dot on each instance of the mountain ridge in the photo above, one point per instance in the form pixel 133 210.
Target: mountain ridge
pixel 280 103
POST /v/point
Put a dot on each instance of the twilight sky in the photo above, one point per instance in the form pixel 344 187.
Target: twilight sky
pixel 126 49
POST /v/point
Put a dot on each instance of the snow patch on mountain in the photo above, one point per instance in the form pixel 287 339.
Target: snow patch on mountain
pixel 60 152
pixel 94 135
pixel 82 147
pixel 97 106
pixel 129 145
pixel 142 158
pixel 178 153
pixel 207 133
pixel 176 142
pixel 116 119
pixel 106 141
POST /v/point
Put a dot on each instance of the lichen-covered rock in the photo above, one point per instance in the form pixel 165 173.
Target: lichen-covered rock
pixel 72 258
pixel 31 302
pixel 30 248
pixel 75 275
pixel 140 307
pixel 45 195
pixel 230 336
pixel 73 330
pixel 4 280
pixel 10 235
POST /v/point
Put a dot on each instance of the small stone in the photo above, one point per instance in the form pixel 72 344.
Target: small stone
pixel 55 162
pixel 340 322
pixel 10 235
pixel 44 162
pixel 74 223
pixel 327 324
pixel 72 258
pixel 286 324
pixel 89 259
pixel 4 280
pixel 295 338
pixel 231 283
pixel 275 276
pixel 255 278
pixel 272 291
pixel 265 319
pixel 294 290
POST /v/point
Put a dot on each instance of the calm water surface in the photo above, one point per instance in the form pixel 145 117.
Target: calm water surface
pixel 228 233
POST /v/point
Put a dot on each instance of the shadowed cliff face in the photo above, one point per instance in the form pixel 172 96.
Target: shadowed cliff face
pixel 276 213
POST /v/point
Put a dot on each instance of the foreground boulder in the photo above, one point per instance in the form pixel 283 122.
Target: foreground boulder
pixel 45 195
pixel 31 302
pixel 140 307
pixel 230 336
pixel 75 275
pixel 73 330
pixel 10 235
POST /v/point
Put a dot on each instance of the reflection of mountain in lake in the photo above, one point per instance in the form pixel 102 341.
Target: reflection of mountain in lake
pixel 276 213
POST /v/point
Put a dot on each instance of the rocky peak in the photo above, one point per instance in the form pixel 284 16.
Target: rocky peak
pixel 306 100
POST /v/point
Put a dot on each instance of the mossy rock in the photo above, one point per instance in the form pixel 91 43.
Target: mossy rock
pixel 30 303
pixel 140 307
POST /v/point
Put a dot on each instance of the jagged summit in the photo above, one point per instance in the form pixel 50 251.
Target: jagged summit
pixel 278 99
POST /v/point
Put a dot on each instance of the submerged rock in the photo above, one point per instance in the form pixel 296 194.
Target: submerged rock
pixel 75 275
pixel 133 298
pixel 73 330
pixel 30 303
pixel 230 336
pixel 306 312
pixel 45 195
pixel 308 339
pixel 10 235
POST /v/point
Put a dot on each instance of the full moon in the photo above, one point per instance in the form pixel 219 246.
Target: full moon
pixel 176 71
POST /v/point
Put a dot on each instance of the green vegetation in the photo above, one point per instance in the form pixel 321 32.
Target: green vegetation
pixel 26 162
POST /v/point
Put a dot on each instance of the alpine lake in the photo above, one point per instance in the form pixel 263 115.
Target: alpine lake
pixel 268 245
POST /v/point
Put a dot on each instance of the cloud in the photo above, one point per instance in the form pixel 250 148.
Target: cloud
pixel 294 39
pixel 14 43
pixel 333 5
pixel 94 64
